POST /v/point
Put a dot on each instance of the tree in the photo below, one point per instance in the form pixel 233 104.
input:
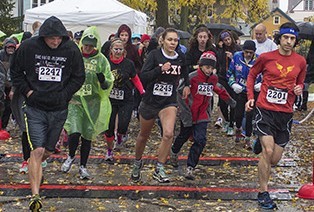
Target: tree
pixel 187 14
pixel 8 24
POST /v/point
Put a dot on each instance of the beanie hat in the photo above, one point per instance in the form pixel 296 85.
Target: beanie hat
pixel 9 42
pixel 78 35
pixel 90 40
pixel 249 45
pixel 208 58
pixel 145 37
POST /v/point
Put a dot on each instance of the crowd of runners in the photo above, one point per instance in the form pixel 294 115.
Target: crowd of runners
pixel 57 84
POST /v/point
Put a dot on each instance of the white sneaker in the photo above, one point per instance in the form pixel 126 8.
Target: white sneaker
pixel 66 166
pixel 84 175
pixel 219 123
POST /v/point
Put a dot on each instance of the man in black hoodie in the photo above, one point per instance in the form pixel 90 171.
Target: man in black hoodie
pixel 47 69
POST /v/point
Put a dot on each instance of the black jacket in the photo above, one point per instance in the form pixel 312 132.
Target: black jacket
pixel 53 74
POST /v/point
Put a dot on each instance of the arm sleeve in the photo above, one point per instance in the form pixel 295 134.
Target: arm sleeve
pixel 17 72
pixel 254 72
pixel 138 84
pixel 150 70
pixel 231 78
pixel 77 77
pixel 184 71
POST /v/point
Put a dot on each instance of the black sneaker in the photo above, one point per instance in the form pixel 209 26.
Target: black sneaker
pixel 35 204
pixel 265 201
pixel 257 146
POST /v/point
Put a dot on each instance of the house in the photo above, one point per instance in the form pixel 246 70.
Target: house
pixel 300 10
pixel 273 21
pixel 22 5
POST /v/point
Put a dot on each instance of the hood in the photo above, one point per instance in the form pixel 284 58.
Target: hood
pixel 53 27
pixel 126 28
pixel 91 32
pixel 9 42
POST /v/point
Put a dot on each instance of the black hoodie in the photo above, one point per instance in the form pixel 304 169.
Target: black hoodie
pixel 53 74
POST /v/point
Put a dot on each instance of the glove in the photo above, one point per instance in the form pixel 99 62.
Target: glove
pixel 257 87
pixel 237 88
pixel 101 77
pixel 102 81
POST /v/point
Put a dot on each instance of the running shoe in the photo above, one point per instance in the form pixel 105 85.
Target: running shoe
pixel 247 143
pixel 238 135
pixel 160 175
pixel 109 155
pixel 136 172
pixel 174 159
pixel 84 175
pixel 257 146
pixel 230 131
pixel 24 167
pixel 219 123
pixel 35 203
pixel 190 173
pixel 44 164
pixel 66 166
pixel 265 201
pixel 225 127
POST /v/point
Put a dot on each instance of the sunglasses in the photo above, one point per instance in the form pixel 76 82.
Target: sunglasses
pixel 117 49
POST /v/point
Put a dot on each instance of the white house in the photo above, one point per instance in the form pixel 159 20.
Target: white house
pixel 299 10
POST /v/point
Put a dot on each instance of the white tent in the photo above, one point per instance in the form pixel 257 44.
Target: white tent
pixel 76 15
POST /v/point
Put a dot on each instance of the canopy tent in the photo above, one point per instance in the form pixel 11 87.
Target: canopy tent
pixel 76 15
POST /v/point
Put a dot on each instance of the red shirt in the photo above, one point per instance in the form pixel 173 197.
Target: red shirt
pixel 281 73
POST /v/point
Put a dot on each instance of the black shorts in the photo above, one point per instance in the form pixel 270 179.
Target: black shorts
pixel 149 112
pixel 276 124
pixel 43 127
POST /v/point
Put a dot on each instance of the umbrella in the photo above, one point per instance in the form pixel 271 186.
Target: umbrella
pixel 2 34
pixel 184 34
pixel 306 30
pixel 215 29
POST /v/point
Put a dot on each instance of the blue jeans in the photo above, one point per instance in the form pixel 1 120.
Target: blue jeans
pixel 199 136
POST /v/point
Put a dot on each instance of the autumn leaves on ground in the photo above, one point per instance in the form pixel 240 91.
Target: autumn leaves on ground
pixel 290 176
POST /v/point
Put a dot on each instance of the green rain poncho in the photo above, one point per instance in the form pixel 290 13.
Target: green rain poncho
pixel 90 108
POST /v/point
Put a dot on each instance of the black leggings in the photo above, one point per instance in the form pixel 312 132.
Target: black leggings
pixel 124 112
pixel 226 110
pixel 85 147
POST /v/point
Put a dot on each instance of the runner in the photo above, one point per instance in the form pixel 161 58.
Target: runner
pixel 160 74
pixel 237 74
pixel 195 111
pixel 48 69
pixel 121 96
pixel 89 109
pixel 283 76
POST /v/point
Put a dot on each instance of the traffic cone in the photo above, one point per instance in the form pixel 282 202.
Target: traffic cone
pixel 307 190
pixel 4 135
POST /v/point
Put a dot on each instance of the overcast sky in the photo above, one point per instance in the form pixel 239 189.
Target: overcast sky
pixel 283 5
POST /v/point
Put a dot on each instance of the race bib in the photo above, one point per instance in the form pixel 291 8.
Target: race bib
pixel 116 94
pixel 86 90
pixel 162 89
pixel 50 74
pixel 277 96
pixel 205 89
pixel 242 81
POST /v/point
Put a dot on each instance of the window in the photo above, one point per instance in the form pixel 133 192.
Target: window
pixel 34 3
pixel 42 2
pixel 276 20
pixel 308 4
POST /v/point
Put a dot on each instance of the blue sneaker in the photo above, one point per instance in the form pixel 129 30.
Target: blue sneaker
pixel 257 146
pixel 265 201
